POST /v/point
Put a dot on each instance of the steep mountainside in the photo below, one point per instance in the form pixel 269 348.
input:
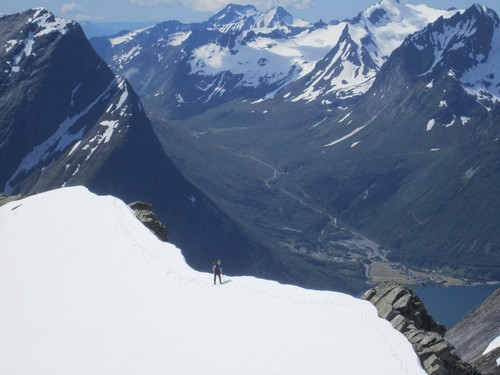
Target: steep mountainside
pixel 472 336
pixel 66 120
pixel 430 194
pixel 385 125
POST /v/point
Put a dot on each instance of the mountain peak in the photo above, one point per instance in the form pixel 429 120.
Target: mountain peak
pixel 47 22
pixel 274 17
pixel 231 13
pixel 482 11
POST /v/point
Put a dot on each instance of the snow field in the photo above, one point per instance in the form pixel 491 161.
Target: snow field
pixel 87 289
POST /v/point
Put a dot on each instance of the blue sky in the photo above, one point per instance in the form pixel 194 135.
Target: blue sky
pixel 199 10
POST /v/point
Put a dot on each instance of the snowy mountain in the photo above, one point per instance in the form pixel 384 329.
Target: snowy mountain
pixel 243 53
pixel 465 47
pixel 414 162
pixel 410 164
pixel 91 290
pixel 67 120
pixel 236 18
pixel 361 46
pixel 63 107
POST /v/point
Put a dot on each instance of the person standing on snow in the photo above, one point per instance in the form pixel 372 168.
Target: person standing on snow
pixel 217 269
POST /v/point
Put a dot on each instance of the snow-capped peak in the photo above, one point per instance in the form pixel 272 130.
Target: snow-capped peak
pixel 466 47
pixel 261 52
pixel 231 14
pixel 365 44
pixel 91 289
pixel 238 18
pixel 47 23
pixel 19 46
pixel 389 22
pixel 278 16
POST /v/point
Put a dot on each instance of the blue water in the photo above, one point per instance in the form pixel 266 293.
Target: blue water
pixel 448 305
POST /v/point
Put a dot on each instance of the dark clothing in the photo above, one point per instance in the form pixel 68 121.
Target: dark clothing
pixel 215 278
pixel 217 268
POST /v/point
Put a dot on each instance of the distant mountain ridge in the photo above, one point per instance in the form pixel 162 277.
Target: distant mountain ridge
pixel 386 124
pixel 67 120
pixel 243 53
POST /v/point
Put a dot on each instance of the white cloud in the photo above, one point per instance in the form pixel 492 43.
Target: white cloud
pixel 85 17
pixel 211 6
pixel 71 7
pixel 77 12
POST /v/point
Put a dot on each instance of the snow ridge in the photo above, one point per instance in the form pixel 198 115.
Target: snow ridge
pixel 91 289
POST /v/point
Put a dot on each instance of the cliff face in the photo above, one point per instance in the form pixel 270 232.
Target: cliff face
pixel 406 312
pixel 472 335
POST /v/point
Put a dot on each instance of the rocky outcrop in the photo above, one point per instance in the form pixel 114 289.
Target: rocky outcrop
pixel 144 212
pixel 4 199
pixel 472 335
pixel 406 312
pixel 487 363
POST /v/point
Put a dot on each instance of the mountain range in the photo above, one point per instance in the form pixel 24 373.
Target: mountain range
pixel 321 155
pixel 67 120
pixel 241 52
pixel 352 141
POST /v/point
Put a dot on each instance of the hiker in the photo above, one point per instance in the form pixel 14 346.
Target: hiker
pixel 217 268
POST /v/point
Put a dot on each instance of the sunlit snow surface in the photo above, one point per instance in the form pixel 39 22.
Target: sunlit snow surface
pixel 87 289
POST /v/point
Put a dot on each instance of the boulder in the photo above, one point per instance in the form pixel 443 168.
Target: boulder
pixel 144 212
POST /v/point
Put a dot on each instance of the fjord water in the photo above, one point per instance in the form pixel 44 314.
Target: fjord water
pixel 448 305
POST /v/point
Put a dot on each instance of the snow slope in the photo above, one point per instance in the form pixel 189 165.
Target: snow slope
pixel 87 289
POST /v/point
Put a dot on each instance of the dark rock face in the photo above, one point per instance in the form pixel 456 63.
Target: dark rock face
pixel 487 363
pixel 406 312
pixel 144 212
pixel 472 335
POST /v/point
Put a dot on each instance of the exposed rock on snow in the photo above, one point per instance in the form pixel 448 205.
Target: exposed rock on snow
pixel 406 312
pixel 144 212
